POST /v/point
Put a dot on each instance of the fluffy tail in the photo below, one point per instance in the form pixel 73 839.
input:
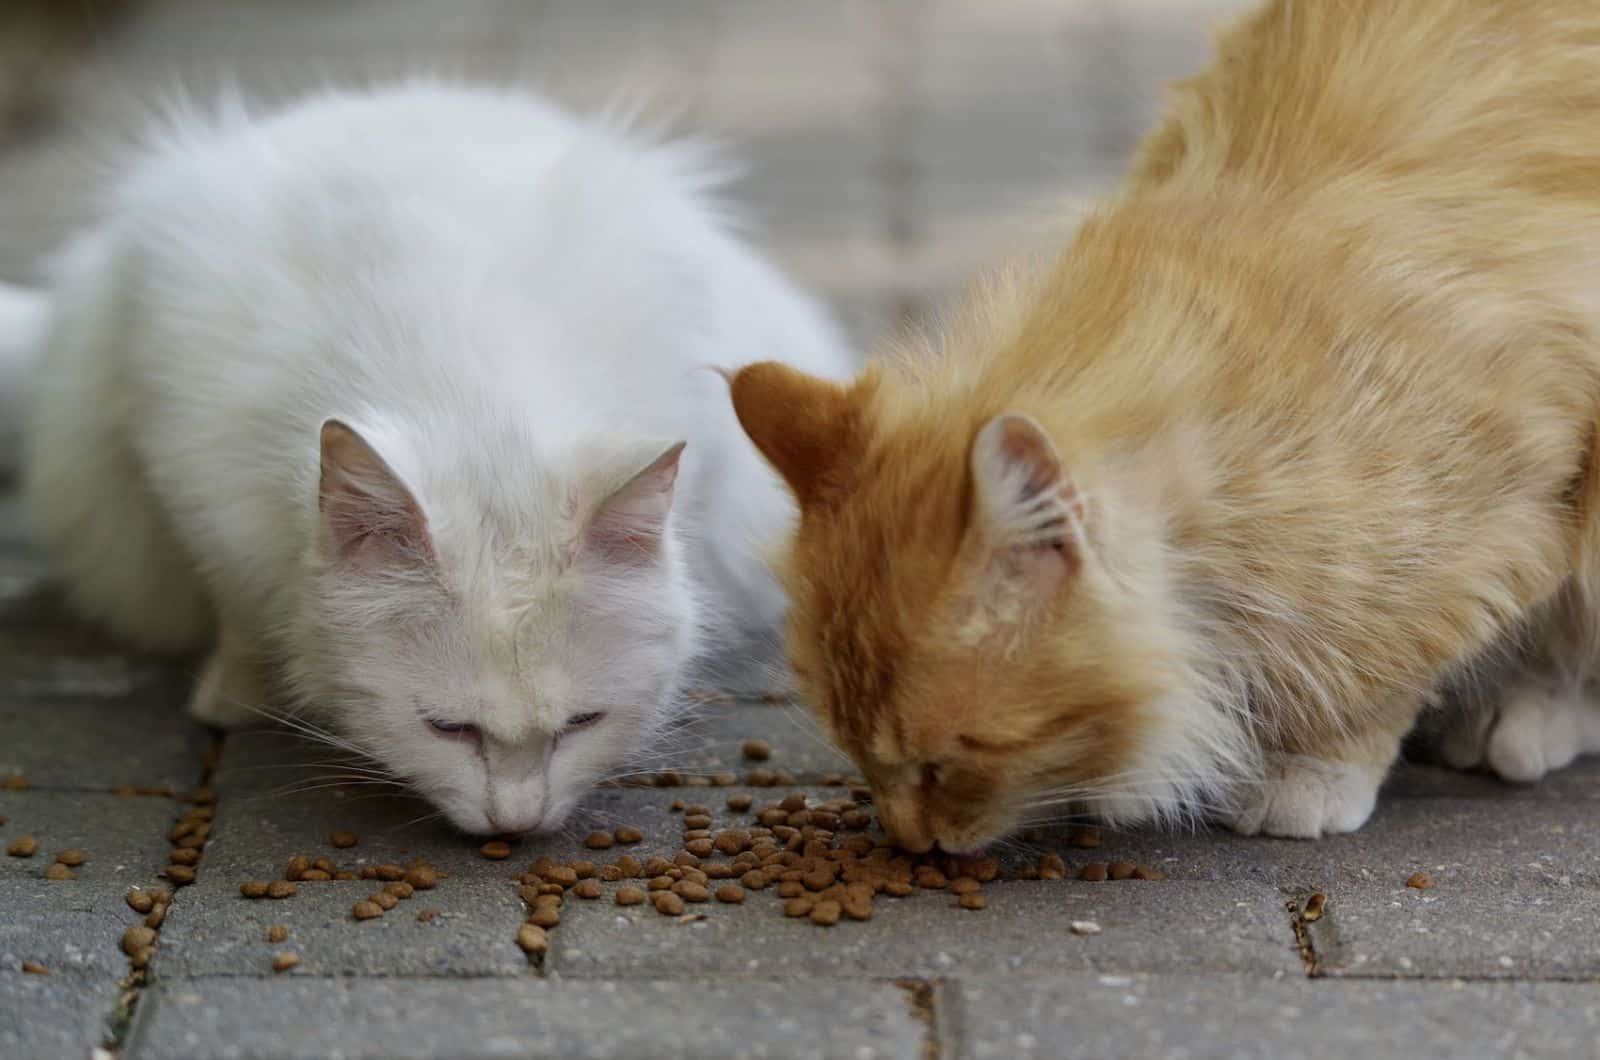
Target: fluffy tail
pixel 23 315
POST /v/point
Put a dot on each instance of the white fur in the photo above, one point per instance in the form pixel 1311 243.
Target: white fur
pixel 514 308
pixel 23 317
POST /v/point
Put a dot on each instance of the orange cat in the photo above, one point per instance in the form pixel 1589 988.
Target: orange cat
pixel 1303 421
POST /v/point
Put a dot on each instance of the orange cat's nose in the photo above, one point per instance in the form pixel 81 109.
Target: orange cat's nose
pixel 901 814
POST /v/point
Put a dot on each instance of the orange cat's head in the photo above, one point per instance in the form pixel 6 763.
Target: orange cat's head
pixel 958 623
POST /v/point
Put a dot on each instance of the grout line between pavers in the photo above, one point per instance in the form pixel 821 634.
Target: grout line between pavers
pixel 138 976
pixel 920 999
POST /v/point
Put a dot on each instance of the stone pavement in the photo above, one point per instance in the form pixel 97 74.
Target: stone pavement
pixel 897 147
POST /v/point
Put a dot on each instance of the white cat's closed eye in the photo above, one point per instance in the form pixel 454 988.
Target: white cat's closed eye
pixel 583 721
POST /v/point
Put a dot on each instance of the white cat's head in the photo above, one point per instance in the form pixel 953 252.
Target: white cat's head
pixel 500 657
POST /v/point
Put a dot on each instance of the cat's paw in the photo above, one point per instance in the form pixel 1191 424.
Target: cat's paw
pixel 1539 731
pixel 1301 797
pixel 228 695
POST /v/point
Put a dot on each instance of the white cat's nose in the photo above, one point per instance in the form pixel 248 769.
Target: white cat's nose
pixel 514 823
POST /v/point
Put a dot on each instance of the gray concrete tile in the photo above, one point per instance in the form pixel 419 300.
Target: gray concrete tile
pixel 710 740
pixel 1147 926
pixel 55 1015
pixel 74 929
pixel 125 838
pixel 212 930
pixel 145 739
pixel 1479 932
pixel 298 1015
pixel 1478 842
pixel 1241 1018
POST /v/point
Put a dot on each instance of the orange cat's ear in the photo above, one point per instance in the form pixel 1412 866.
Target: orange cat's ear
pixel 1029 513
pixel 801 424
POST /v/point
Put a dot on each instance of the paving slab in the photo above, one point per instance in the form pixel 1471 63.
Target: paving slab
pixel 1245 1017
pixel 709 739
pixel 54 1015
pixel 125 838
pixel 1484 842
pixel 1147 926
pixel 1460 931
pixel 233 1019
pixel 143 739
pixel 74 929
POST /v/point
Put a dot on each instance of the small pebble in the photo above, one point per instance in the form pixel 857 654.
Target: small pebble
pixel 1085 927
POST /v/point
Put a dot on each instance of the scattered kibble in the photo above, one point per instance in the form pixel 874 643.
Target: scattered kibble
pixel 826 913
pixel 1420 881
pixel 1122 870
pixel 281 889
pixel 630 896
pixel 628 834
pixel 427 916
pixel 757 750
pixel 14 782
pixel 34 968
pixel 597 841
pixel 740 803
pixel 1148 872
pixel 72 857
pixel 139 901
pixel 1315 905
pixel 24 846
pixel 59 871
pixel 277 933
pixel 254 889
pixel 344 840
pixel 1094 872
pixel 285 961
pixel 667 903
pixel 532 939
pixel 183 875
pixel 587 889
pixel 366 910
pixel 137 937
pixel 731 893
pixel 545 916
pixel 973 901
pixel 495 850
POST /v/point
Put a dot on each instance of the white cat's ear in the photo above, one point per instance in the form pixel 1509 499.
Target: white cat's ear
pixel 368 514
pixel 1029 515
pixel 627 527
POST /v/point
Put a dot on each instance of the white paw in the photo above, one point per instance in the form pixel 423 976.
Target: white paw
pixel 228 695
pixel 1540 730
pixel 1466 739
pixel 1304 798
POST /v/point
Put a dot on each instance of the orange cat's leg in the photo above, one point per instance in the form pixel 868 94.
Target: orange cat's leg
pixel 1306 793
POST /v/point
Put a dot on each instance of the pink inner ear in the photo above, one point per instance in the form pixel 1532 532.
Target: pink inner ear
pixel 368 513
pixel 629 525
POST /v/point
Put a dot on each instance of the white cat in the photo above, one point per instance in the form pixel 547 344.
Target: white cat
pixel 403 399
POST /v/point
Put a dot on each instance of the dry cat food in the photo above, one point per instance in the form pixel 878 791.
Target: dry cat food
pixel 973 901
pixel 630 896
pixel 1095 872
pixel 24 846
pixel 277 932
pixel 343 840
pixel 285 961
pixel 254 889
pixel 34 968
pixel 72 857
pixel 427 916
pixel 1315 905
pixel 1420 881
pixel 140 901
pixel 596 841
pixel 384 900
pixel 587 889
pixel 532 939
pixel 183 875
pixel 757 750
pixel 14 782
pixel 1122 870
pixel 280 889
pixel 366 910
pixel 667 903
pixel 137 937
pixel 628 834
pixel 59 871
pixel 495 850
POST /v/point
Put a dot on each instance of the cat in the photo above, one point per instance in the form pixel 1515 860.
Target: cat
pixel 1192 523
pixel 403 404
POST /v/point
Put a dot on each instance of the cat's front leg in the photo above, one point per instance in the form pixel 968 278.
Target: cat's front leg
pixel 1538 727
pixel 1308 793
pixel 230 692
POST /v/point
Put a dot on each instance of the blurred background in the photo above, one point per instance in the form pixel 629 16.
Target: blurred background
pixel 894 147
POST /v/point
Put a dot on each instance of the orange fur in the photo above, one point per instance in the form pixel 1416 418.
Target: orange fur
pixel 1317 392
